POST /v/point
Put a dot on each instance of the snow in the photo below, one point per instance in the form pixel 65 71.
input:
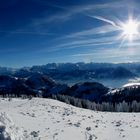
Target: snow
pixel 47 119
pixel 113 91
pixel 131 84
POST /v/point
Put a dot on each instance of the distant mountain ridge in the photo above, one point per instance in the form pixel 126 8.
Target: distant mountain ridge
pixel 46 80
pixel 66 71
pixel 41 85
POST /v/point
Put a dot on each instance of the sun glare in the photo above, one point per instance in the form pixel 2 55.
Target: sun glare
pixel 130 29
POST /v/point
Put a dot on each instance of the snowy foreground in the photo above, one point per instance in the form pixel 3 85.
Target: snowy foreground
pixel 47 119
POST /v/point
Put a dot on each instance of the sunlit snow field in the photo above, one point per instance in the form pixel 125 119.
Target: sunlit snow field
pixel 47 119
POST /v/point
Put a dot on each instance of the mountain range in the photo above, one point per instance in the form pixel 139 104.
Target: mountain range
pixel 38 84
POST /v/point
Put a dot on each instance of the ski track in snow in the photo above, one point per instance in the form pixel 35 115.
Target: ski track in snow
pixel 47 119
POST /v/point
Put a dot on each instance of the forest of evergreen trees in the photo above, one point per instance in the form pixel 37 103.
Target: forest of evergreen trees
pixel 134 106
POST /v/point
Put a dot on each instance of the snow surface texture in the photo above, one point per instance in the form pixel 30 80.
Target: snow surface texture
pixel 47 119
pixel 8 131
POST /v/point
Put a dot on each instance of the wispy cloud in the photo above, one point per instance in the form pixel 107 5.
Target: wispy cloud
pixel 93 31
pixel 86 38
pixel 70 11
pixel 89 41
pixel 105 20
pixel 81 43
pixel 112 53
pixel 83 38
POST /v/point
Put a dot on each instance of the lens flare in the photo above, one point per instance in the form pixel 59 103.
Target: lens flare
pixel 130 29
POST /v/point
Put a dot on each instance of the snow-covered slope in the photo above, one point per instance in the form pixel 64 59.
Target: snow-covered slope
pixel 131 84
pixel 47 119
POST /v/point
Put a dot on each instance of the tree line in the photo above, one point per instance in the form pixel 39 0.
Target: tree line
pixel 133 106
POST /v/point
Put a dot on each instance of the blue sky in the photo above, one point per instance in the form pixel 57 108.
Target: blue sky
pixel 35 32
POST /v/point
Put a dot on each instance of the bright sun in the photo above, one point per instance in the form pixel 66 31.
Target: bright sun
pixel 130 29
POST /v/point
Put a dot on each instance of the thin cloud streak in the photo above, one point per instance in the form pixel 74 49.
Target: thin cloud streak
pixel 93 31
pixel 69 12
pixel 108 54
pixel 88 41
pixel 88 45
pixel 105 20
pixel 82 43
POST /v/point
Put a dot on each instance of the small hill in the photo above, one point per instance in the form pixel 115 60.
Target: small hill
pixel 88 90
